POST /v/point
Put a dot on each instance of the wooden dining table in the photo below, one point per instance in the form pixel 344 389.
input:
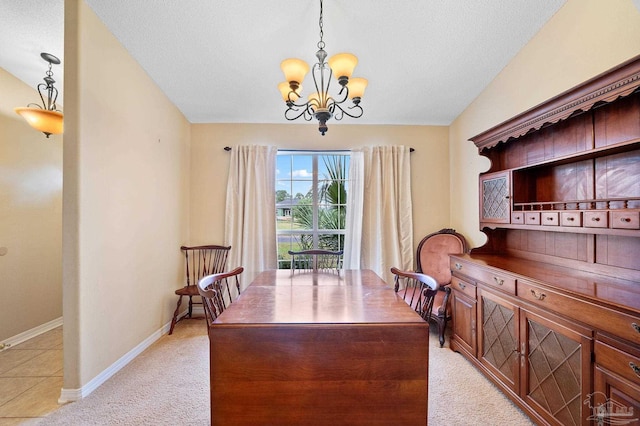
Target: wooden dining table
pixel 319 349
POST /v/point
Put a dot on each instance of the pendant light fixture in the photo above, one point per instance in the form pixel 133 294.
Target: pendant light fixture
pixel 321 105
pixel 46 118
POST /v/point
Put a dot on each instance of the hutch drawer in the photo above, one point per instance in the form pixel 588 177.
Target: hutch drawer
pixel 532 218
pixel 549 218
pixel 517 217
pixel 622 363
pixel 464 287
pixel 490 277
pixel 625 219
pixel 617 323
pixel 596 219
pixel 571 218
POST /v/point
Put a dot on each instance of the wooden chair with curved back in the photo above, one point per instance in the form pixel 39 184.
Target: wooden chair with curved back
pixel 316 260
pixel 418 290
pixel 433 259
pixel 200 261
pixel 216 292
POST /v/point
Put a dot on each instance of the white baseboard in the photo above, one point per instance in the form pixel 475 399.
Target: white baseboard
pixel 30 334
pixel 72 395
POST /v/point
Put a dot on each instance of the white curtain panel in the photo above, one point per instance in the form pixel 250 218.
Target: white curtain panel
pixel 355 189
pixel 250 227
pixel 386 214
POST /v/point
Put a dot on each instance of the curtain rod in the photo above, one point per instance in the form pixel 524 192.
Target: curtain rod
pixel 228 148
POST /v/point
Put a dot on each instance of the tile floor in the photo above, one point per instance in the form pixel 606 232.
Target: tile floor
pixel 31 379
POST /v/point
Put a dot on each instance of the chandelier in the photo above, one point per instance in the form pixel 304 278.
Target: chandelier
pixel 46 118
pixel 320 104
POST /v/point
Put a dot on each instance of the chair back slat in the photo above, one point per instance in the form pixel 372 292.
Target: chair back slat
pixel 418 290
pixel 204 260
pixel 316 261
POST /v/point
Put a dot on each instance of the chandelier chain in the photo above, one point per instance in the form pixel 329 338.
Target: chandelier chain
pixel 321 24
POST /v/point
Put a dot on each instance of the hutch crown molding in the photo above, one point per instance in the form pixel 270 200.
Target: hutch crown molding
pixel 549 307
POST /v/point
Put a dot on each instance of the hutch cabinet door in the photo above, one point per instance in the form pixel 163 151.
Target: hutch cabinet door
pixel 555 369
pixel 498 337
pixel 495 201
pixel 464 323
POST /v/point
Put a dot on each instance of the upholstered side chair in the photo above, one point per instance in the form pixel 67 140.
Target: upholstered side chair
pixel 433 259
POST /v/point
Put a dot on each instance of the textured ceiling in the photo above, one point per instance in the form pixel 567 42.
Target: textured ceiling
pixel 219 61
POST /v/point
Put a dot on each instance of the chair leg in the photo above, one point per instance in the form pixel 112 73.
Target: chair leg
pixel 175 315
pixel 190 307
pixel 442 325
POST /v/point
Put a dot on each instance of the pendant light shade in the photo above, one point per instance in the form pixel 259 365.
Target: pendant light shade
pixel 48 122
pixel 294 69
pixel 343 65
pixel 356 87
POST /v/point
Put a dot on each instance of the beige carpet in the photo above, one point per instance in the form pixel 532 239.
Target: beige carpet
pixel 168 384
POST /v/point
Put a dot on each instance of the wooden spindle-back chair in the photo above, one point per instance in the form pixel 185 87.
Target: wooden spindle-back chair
pixel 200 261
pixel 418 290
pixel 316 261
pixel 216 292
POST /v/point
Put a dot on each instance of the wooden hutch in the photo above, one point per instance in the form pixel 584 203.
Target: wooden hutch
pixel 549 307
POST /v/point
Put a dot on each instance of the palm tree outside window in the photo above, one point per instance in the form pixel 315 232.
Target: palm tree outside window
pixel 311 201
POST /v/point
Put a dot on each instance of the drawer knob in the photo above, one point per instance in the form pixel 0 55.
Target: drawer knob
pixel 595 219
pixel 549 218
pixel 458 266
pixel 538 295
pixel 625 219
pixel 635 326
pixel 635 368
pixel 462 285
pixel 571 219
pixel 498 280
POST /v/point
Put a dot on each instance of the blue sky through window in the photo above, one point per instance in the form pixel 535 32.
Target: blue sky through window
pixel 294 173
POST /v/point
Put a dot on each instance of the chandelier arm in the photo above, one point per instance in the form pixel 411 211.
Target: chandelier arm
pixel 344 98
pixel 52 97
pixel 32 105
pixel 48 104
pixel 357 114
pixel 291 100
pixel 319 89
pixel 304 113
pixel 310 106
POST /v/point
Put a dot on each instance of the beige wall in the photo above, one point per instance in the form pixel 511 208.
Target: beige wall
pixel 210 165
pixel 126 198
pixel 30 216
pixel 583 39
